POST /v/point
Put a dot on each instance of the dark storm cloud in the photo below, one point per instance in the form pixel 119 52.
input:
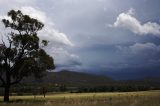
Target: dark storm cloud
pixel 86 40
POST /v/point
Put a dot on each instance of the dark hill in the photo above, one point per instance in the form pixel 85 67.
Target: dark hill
pixel 71 78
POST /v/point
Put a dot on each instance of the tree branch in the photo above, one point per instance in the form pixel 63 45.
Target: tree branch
pixel 3 42
pixel 16 81
pixel 2 80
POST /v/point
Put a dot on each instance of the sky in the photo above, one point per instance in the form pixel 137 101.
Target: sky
pixel 120 38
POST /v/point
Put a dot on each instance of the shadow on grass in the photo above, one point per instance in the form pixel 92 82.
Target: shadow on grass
pixel 22 101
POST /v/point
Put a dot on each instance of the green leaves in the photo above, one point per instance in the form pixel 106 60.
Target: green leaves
pixel 44 42
pixel 46 60
pixel 22 22
pixel 13 14
pixel 24 57
pixel 6 22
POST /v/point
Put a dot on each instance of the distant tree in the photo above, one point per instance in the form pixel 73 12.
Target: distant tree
pixel 44 91
pixel 23 54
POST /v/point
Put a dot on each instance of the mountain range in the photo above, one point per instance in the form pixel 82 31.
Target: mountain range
pixel 72 78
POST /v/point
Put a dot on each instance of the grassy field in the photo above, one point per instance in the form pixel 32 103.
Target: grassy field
pixel 145 98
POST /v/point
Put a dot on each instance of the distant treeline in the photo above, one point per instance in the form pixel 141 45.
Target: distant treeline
pixel 124 88
pixel 75 82
pixel 40 89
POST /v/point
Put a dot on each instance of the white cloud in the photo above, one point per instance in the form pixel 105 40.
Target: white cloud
pixel 34 13
pixel 48 32
pixel 24 1
pixel 58 41
pixel 145 47
pixel 63 58
pixel 127 21
pixel 10 4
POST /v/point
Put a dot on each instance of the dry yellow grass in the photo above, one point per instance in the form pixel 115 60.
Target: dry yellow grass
pixel 146 98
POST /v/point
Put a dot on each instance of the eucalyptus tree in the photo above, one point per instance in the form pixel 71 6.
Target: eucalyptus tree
pixel 23 53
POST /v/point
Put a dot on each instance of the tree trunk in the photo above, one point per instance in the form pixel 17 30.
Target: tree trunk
pixel 6 93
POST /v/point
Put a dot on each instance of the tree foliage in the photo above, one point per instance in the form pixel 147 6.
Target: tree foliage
pixel 23 55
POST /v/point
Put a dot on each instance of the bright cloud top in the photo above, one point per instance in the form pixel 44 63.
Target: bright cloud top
pixel 127 21
pixel 58 41
pixel 48 32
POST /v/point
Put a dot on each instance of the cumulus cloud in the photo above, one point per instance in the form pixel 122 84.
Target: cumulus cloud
pixel 64 59
pixel 66 22
pixel 58 41
pixel 17 1
pixel 49 32
pixel 148 49
pixel 127 21
pixel 145 47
